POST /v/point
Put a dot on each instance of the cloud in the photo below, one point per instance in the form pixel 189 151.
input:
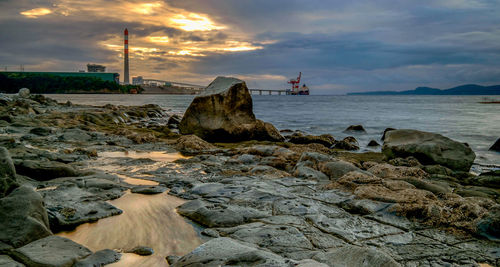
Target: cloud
pixel 340 46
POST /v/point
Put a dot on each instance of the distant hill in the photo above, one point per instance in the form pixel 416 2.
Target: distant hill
pixel 468 89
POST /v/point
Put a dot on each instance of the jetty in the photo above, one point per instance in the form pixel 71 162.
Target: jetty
pixel 269 91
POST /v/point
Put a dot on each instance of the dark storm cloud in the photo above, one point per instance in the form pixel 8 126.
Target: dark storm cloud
pixel 340 46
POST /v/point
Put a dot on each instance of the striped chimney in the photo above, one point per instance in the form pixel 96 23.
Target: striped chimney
pixel 125 56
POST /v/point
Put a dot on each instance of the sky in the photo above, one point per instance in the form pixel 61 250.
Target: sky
pixel 339 46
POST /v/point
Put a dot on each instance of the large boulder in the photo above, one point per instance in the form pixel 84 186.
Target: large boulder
pixel 23 218
pixel 428 148
pixel 44 170
pixel 7 173
pixel 223 113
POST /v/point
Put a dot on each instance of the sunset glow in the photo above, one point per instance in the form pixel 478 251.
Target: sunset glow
pixel 36 12
pixel 194 22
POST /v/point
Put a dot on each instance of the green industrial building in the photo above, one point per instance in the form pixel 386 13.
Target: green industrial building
pixel 106 76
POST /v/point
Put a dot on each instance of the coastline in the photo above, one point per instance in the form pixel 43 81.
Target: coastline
pixel 275 199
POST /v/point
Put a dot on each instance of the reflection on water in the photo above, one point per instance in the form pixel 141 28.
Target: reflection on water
pixel 154 155
pixel 135 181
pixel 147 220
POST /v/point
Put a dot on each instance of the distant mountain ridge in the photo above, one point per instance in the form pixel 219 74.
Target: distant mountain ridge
pixel 468 89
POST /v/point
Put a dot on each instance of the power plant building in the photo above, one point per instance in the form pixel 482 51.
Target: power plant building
pixel 96 68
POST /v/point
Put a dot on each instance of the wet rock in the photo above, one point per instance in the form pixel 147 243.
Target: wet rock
pixel 299 138
pixel 355 128
pixel 210 232
pixel 496 146
pixel 24 92
pixel 69 206
pixel 100 258
pixel 309 173
pixel 51 251
pixel 356 256
pixel 6 261
pixel 353 179
pixel 428 148
pixel 351 228
pixel 172 259
pixel 23 218
pixel 349 143
pixel 6 118
pixel 42 131
pixel 218 215
pixel 389 171
pixel 488 179
pixel 267 172
pixel 192 144
pixel 489 226
pixel 7 173
pixel 142 251
pixel 223 113
pixel 428 186
pixel 44 170
pixel 384 194
pixel 277 238
pixel 385 132
pixel 148 190
pixel 174 121
pixel 226 251
pixel 75 135
pixel 336 169
pixel 373 143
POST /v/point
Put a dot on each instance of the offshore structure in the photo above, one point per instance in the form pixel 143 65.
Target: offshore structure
pixel 296 90
pixel 125 57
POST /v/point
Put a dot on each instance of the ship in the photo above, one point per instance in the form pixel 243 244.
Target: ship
pixel 296 89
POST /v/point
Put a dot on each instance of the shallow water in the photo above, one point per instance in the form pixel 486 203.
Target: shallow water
pixel 461 118
pixel 147 220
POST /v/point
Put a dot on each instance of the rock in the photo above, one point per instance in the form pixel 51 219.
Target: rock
pixel 23 218
pixel 75 135
pixel 69 206
pixel 489 226
pixel 223 113
pixel 385 132
pixel 310 263
pixel 24 92
pixel 355 128
pixel 172 259
pixel 299 138
pixel 51 251
pixel 142 251
pixel 44 170
pixel 174 121
pixel 148 190
pixel 488 179
pixel 396 172
pixel 42 131
pixel 218 215
pixel 356 256
pixel 192 144
pixel 100 258
pixel 373 143
pixel 309 173
pixel 210 232
pixel 428 149
pixel 225 251
pixel 408 162
pixel 384 194
pixel 496 146
pixel 348 143
pixel 7 173
pixel 336 169
pixel 6 261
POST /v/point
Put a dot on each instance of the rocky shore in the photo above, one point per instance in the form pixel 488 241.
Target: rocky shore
pixel 260 197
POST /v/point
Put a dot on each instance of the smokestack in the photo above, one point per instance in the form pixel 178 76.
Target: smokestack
pixel 125 57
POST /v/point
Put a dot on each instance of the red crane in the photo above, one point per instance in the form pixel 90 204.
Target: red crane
pixel 295 84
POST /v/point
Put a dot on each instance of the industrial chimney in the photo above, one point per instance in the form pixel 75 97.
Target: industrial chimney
pixel 125 57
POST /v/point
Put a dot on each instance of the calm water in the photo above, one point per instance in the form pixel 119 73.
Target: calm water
pixel 459 117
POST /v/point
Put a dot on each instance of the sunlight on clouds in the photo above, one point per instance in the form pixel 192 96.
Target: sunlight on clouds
pixel 36 12
pixel 159 39
pixel 144 8
pixel 194 22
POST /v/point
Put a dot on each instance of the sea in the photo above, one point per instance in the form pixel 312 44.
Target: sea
pixel 461 118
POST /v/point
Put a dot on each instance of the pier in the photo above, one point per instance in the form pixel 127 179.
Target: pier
pixel 269 91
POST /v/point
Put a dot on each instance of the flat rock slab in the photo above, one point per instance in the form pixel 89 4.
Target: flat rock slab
pixel 100 258
pixel 51 251
pixel 6 261
pixel 351 228
pixel 218 215
pixel 226 251
pixel 356 256
pixel 148 190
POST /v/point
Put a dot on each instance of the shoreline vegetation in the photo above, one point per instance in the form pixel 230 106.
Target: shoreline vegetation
pixel 261 196
pixel 52 84
pixel 468 89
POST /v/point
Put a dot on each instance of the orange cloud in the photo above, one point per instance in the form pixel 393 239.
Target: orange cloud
pixel 36 12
